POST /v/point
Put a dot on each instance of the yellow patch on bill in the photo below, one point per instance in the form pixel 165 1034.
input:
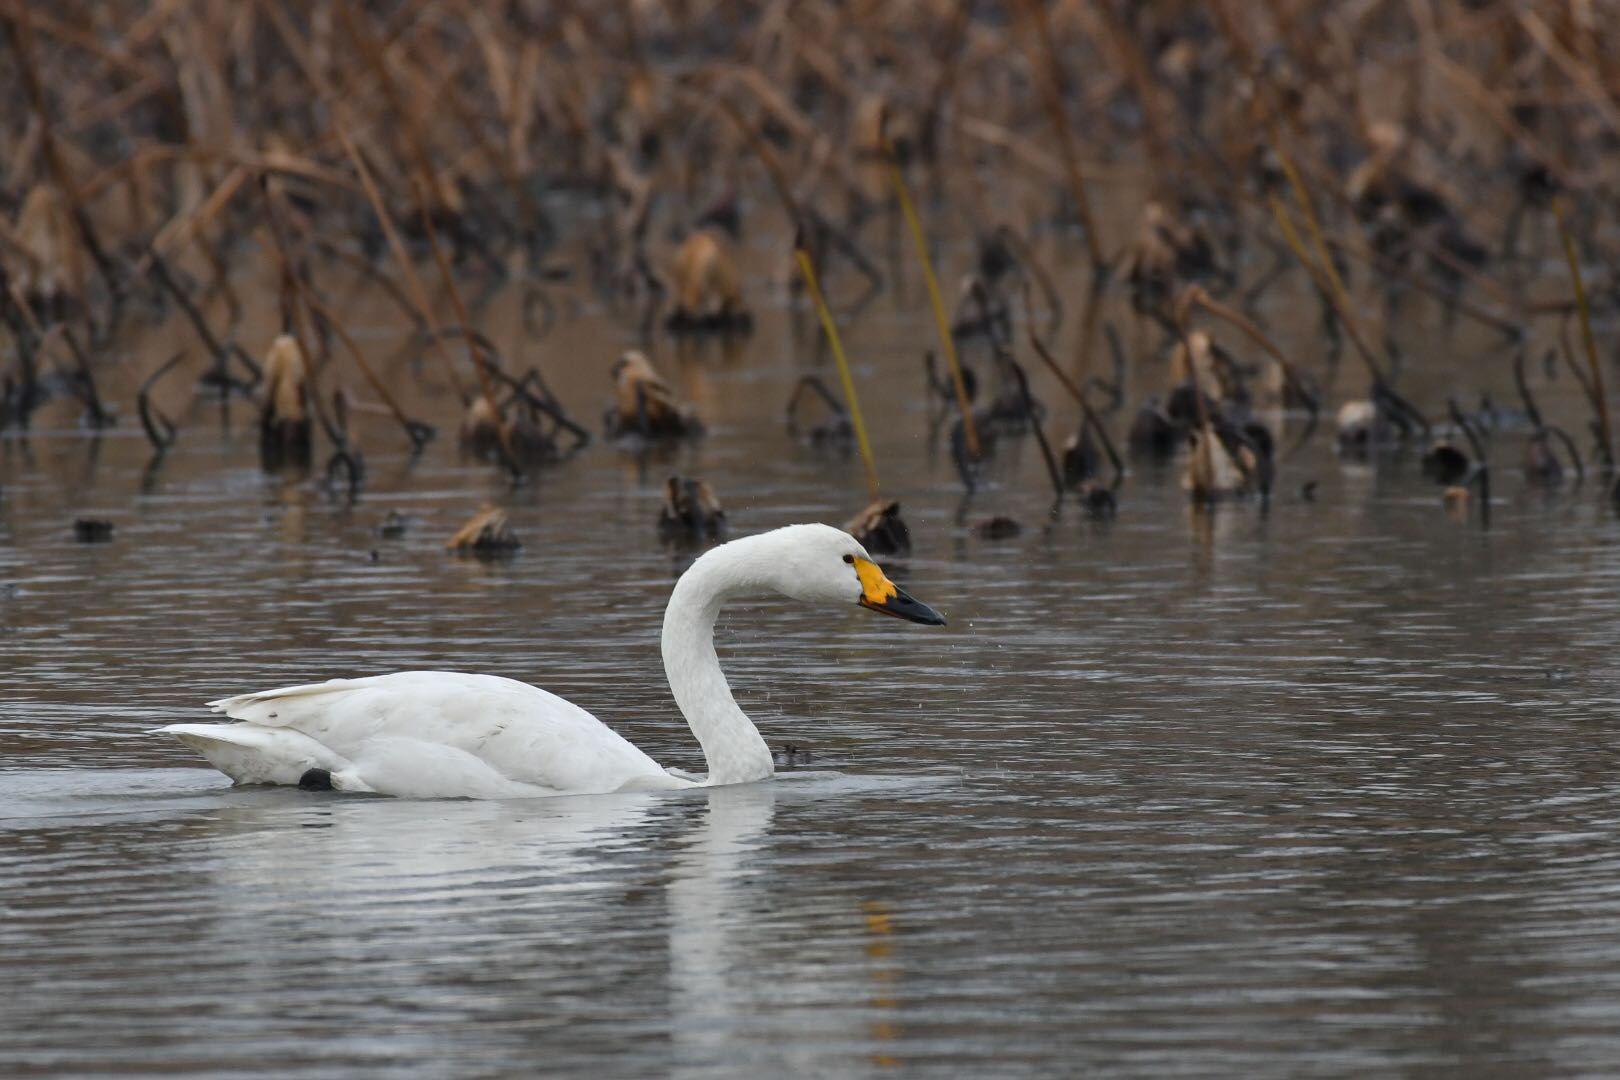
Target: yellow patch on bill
pixel 875 586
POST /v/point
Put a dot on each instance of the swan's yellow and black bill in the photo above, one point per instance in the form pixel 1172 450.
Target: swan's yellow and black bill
pixel 881 594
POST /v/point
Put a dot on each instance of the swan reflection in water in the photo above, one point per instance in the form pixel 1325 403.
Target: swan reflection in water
pixel 363 929
pixel 555 908
pixel 714 986
pixel 760 986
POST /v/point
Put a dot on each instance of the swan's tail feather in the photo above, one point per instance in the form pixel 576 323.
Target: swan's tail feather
pixel 250 754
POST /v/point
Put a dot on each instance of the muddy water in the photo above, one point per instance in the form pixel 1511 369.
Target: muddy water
pixel 1325 790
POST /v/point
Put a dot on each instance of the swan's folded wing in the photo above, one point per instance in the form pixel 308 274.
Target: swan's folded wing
pixel 525 733
pixel 267 706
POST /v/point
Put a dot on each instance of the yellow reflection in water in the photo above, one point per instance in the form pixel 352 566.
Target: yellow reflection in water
pixel 880 947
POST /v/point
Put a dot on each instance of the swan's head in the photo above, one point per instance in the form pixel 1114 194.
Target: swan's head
pixel 821 564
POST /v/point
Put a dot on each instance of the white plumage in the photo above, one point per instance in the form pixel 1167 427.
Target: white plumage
pixel 429 734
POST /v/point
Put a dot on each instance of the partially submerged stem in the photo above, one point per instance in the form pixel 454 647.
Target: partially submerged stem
pixel 1329 287
pixel 222 353
pixel 1052 470
pixel 160 430
pixel 416 431
pixel 1075 392
pixel 1599 402
pixel 98 415
pixel 1339 294
pixel 1482 472
pixel 947 340
pixel 808 269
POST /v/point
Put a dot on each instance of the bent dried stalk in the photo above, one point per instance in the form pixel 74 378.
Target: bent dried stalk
pixel 223 354
pixel 160 430
pixel 1075 392
pixel 1052 470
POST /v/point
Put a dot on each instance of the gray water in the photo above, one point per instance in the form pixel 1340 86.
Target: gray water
pixel 1321 789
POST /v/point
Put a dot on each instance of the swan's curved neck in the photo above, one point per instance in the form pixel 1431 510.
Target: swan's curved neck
pixel 735 752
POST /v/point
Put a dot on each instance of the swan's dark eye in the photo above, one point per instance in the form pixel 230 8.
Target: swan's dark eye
pixel 850 559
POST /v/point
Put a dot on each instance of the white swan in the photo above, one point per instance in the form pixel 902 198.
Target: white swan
pixel 432 734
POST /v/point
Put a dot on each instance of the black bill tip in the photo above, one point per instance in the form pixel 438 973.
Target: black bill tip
pixel 902 606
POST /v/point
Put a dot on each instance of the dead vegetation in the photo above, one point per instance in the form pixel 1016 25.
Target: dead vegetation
pixel 880 529
pixel 644 406
pixel 285 429
pixel 708 292
pixel 486 533
pixel 1361 160
pixel 691 513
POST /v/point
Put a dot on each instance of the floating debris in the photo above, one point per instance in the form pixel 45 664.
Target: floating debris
pixel 393 526
pixel 1098 500
pixel 707 296
pixel 791 756
pixel 1444 463
pixel 530 425
pixel 1153 433
pixel 691 512
pixel 644 405
pixel 1082 467
pixel 880 529
pixel 530 442
pixel 480 432
pixel 284 423
pixel 1229 460
pixel 486 533
pixel 1380 420
pixel 1358 426
pixel 1082 460
pixel 1211 472
pixel 998 527
pixel 92 530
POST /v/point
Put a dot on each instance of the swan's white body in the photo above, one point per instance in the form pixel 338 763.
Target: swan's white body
pixel 428 734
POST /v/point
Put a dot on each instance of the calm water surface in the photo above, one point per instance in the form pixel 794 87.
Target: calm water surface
pixel 1328 790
